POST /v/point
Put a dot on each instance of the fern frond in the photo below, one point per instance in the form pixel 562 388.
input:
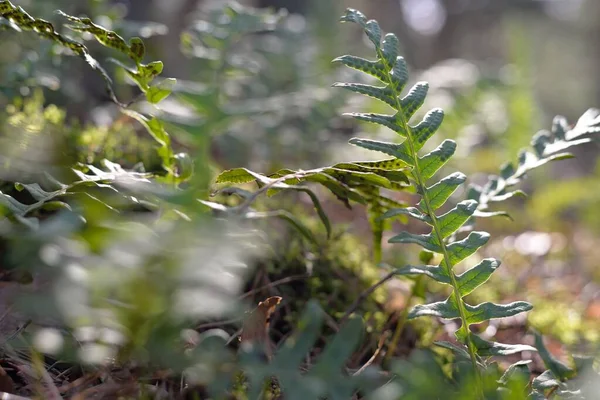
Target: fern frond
pixel 359 182
pixel 391 70
pixel 546 146
pixel 53 194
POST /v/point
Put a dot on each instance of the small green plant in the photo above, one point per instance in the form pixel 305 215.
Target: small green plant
pixel 129 286
pixel 156 300
pixel 391 70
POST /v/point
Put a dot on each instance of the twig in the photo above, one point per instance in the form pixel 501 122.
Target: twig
pixel 330 321
pixel 233 337
pixel 105 389
pixel 52 390
pixel 273 284
pixel 366 293
pixel 208 325
pixel 374 356
pixel 84 380
pixel 17 331
pixel 37 371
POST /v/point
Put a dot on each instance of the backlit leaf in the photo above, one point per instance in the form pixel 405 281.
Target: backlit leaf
pixel 441 191
pixel 462 249
pixel 476 276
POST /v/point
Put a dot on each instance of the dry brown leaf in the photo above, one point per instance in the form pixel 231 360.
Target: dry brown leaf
pixel 6 383
pixel 255 330
pixel 593 310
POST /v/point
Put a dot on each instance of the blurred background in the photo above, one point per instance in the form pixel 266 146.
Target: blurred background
pixel 256 85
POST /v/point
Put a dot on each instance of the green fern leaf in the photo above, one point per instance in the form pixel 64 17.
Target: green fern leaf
pixel 451 221
pixel 458 251
pixel 441 191
pixel 355 181
pixel 433 161
pixel 384 94
pixel 391 149
pixel 486 311
pixel 236 175
pixel 385 165
pixel 448 309
pixel 425 241
pixel 410 211
pixel 558 368
pixel 490 349
pixel 425 129
pixel 545 381
pixel 547 146
pixel 476 276
pixel 326 377
pixel 441 309
pixel 509 195
pixel 388 121
pixel 414 99
pixel 432 271
pixel 375 69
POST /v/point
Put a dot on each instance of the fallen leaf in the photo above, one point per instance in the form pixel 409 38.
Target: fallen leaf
pixel 593 310
pixel 255 330
pixel 6 383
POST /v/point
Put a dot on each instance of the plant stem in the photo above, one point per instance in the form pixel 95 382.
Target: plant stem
pixel 421 184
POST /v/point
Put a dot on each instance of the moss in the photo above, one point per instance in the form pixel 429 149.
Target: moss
pixel 564 321
pixel 118 141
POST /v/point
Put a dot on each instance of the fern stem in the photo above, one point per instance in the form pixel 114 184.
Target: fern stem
pixel 434 222
pixel 421 184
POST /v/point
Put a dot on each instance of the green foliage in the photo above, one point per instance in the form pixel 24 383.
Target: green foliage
pixel 355 181
pixel 136 261
pixel 18 19
pixel 152 285
pixel 326 377
pixel 258 88
pixel 29 122
pixel 142 74
pixel 547 146
pixel 391 70
pixel 562 381
pixel 343 255
pixel 447 226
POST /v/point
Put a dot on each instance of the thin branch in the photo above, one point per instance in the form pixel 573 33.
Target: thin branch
pixel 216 324
pixel 366 293
pixel 273 284
pixel 374 356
